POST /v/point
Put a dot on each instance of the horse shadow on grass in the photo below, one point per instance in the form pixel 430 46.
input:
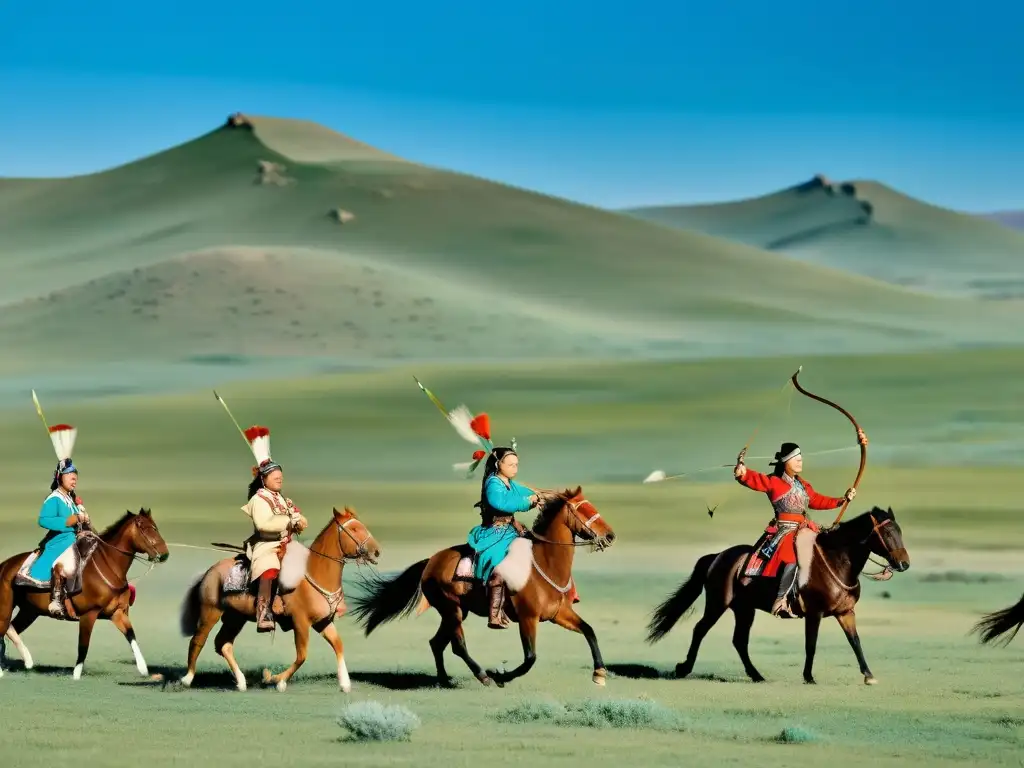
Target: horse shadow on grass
pixel 647 672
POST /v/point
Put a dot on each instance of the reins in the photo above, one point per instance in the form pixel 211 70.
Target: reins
pixel 884 575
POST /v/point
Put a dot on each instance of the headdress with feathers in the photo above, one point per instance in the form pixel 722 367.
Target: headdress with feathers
pixel 259 443
pixel 63 438
pixel 477 431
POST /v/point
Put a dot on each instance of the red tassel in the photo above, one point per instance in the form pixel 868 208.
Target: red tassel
pixel 482 426
pixel 60 427
pixel 253 432
pixel 477 455
pixel 131 595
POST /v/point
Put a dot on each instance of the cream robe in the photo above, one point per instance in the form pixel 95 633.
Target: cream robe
pixel 272 517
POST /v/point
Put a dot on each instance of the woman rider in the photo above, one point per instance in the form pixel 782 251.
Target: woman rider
pixel 790 496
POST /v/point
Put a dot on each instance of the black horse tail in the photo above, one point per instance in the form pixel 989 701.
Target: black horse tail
pixel 385 599
pixel 680 602
pixel 999 623
pixel 191 607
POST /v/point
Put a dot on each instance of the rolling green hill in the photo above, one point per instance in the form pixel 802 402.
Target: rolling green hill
pixel 279 247
pixel 867 228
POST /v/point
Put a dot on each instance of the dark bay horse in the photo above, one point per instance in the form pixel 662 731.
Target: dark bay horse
pixel 827 586
pixel 104 585
pixel 310 596
pixel 538 569
pixel 998 623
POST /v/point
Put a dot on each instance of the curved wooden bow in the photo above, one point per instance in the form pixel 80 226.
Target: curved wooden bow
pixel 856 426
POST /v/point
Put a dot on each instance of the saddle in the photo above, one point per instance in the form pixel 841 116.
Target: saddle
pixel 85 546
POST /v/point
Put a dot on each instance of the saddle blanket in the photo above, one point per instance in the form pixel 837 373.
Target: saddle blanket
pixel 84 546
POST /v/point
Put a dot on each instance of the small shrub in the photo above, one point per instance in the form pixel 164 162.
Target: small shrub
pixel 795 735
pixel 373 721
pixel 636 714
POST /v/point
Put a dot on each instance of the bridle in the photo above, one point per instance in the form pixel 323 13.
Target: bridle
pixel 876 530
pixel 598 542
pixel 152 556
pixel 362 553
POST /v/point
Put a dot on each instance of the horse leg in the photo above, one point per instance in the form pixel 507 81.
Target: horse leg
pixel 441 640
pixel 120 620
pixel 224 642
pixel 744 613
pixel 569 619
pixel 330 634
pixel 459 648
pixel 209 615
pixel 22 621
pixel 848 621
pixel 86 623
pixel 811 624
pixel 713 610
pixel 528 635
pixel 300 629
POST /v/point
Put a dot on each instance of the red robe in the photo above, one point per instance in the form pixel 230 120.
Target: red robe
pixel 790 505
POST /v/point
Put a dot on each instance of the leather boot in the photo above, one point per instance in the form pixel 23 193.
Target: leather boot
pixel 264 603
pixel 781 607
pixel 497 619
pixel 56 606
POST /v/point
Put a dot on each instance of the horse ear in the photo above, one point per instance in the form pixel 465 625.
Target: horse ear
pixel 350 511
pixel 147 512
pixel 578 491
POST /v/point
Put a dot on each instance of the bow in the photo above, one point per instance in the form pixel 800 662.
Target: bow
pixel 856 426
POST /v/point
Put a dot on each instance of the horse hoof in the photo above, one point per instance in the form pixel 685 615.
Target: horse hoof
pixel 485 680
pixel 345 687
pixel 682 670
pixel 281 686
pixel 869 680
pixel 600 677
pixel 810 681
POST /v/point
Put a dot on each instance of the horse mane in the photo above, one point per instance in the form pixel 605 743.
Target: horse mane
pixel 842 531
pixel 550 506
pixel 117 525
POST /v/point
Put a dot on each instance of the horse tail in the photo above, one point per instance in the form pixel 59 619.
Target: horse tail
pixel 680 602
pixel 999 623
pixel 385 599
pixel 191 607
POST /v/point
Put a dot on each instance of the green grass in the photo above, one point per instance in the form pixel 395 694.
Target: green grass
pixel 372 440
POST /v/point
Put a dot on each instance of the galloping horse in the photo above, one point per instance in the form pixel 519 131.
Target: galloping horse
pixel 104 585
pixel 311 596
pixel 828 585
pixel 993 625
pixel 433 582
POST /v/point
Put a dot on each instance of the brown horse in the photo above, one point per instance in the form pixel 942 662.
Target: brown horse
pixel 539 572
pixel 998 623
pixel 311 596
pixel 104 585
pixel 827 585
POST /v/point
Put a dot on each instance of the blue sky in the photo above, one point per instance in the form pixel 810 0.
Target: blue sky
pixel 613 104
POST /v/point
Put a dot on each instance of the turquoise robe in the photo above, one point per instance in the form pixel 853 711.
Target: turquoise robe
pixel 53 516
pixel 491 544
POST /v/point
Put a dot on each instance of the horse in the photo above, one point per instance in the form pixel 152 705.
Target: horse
pixel 546 551
pixel 105 594
pixel 998 623
pixel 310 596
pixel 827 585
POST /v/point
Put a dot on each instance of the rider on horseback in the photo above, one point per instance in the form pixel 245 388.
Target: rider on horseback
pixel 61 512
pixel 274 519
pixel 790 496
pixel 501 497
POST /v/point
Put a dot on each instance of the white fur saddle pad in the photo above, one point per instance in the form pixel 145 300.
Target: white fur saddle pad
pixel 515 570
pixel 293 570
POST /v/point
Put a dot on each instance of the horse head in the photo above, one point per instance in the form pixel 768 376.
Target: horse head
pixel 578 515
pixel 881 534
pixel 355 542
pixel 138 534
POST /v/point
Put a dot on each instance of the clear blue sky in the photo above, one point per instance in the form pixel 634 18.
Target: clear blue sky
pixel 612 104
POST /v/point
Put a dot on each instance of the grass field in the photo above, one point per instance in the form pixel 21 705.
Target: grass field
pixel 608 346
pixel 946 460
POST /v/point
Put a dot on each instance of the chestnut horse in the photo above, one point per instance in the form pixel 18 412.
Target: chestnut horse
pixel 310 595
pixel 827 585
pixel 998 623
pixel 104 594
pixel 538 572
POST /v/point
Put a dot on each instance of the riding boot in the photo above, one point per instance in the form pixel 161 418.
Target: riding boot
pixel 497 619
pixel 781 607
pixel 264 605
pixel 56 606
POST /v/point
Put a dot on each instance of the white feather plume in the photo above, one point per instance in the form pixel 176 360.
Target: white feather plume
pixel 63 442
pixel 656 476
pixel 462 467
pixel 461 419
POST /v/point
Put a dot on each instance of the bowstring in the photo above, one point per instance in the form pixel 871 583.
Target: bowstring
pixel 772 405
